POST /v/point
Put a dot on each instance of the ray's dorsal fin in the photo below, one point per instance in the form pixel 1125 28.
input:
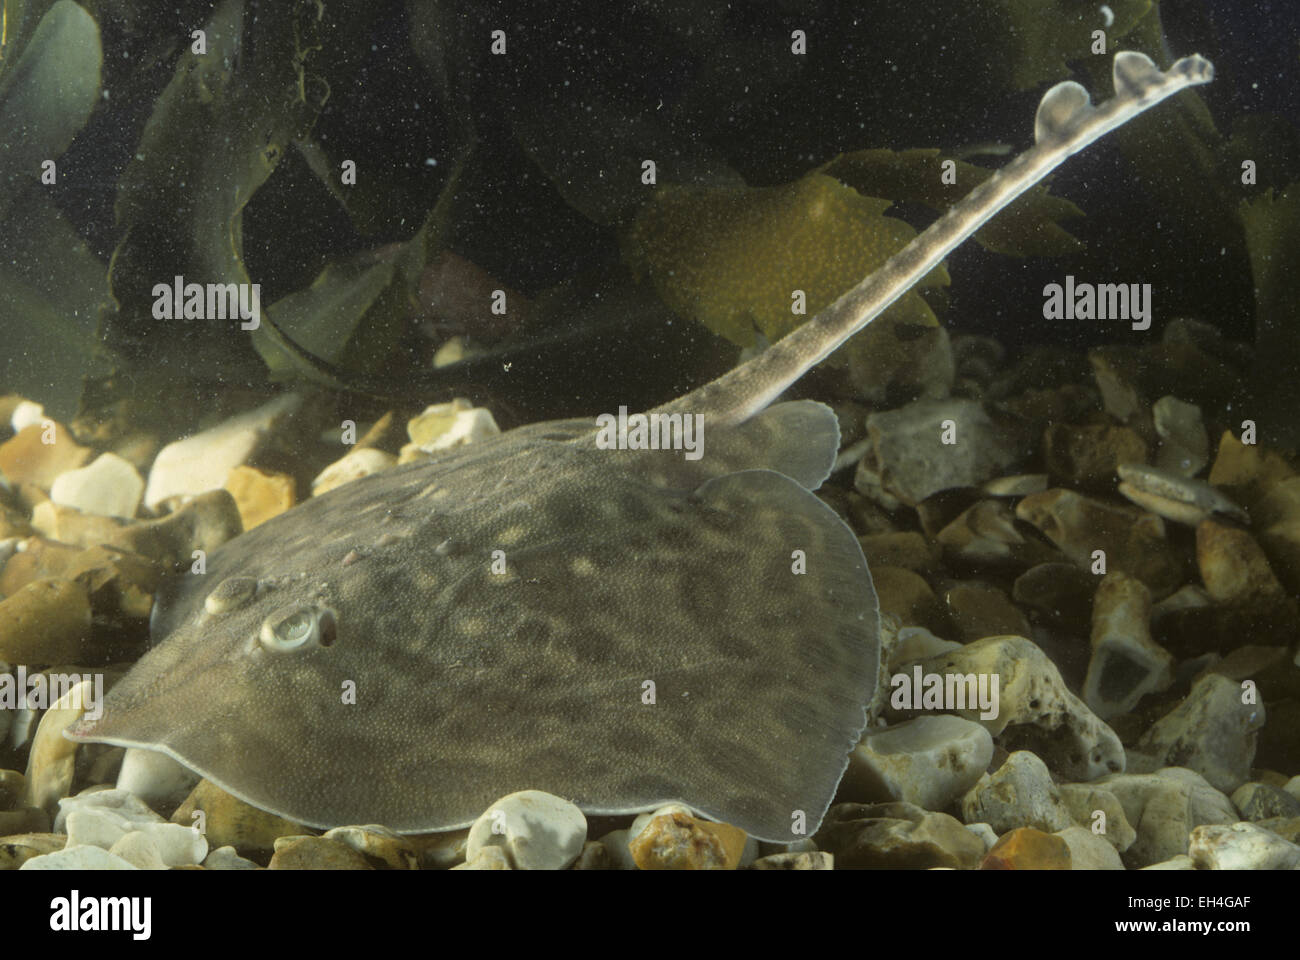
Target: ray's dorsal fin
pixel 1066 123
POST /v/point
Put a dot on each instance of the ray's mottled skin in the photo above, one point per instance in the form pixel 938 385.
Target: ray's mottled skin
pixel 620 628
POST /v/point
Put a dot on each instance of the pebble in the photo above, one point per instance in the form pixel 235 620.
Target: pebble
pixel 47 621
pixel 138 849
pixel 226 858
pixel 315 853
pixel 929 761
pixel 617 844
pixel 488 858
pixel 25 414
pixel 129 809
pixel 1163 808
pixel 1025 848
pixel 1085 456
pixel 812 860
pixel 109 486
pixel 1089 851
pixel 202 462
pixel 379 845
pixel 50 765
pixel 1185 445
pixel 594 856
pixel 260 494
pixel 69 525
pixel 204 523
pixel 446 425
pixel 1211 732
pixel 978 610
pixel 896 835
pixel 228 821
pixel 155 778
pixel 1241 846
pixel 1133 540
pixel 1180 862
pixel 79 858
pixel 1233 567
pixel 1261 801
pixel 1020 793
pixel 914 462
pixel 18 849
pixel 538 831
pixel 1126 664
pixel 27 458
pixel 678 841
pixel 355 464
pixel 986 833
pixel 1099 810
pixel 1033 700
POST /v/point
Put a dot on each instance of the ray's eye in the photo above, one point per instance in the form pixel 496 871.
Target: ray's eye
pixel 230 594
pixel 298 627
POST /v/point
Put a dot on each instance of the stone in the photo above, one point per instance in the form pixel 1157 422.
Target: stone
pixel 155 778
pixel 896 836
pixel 1259 801
pixel 381 846
pixel 138 849
pixel 913 643
pixel 13 785
pixel 1180 862
pixel 913 460
pixel 1163 808
pixel 1211 732
pixel 1174 496
pixel 1028 849
pixel 440 851
pixel 594 856
pixel 51 763
pixel 1036 711
pixel 22 413
pixel 225 858
pixel 39 453
pixel 109 486
pixel 1086 456
pixel 126 809
pixel 978 610
pixel 1247 471
pixel 907 596
pixel 1184 443
pixel 202 462
pixel 929 761
pixel 228 821
pixel 538 831
pixel 18 849
pixel 1017 485
pixel 355 464
pixel 47 621
pixel 1099 811
pixel 23 820
pixel 487 858
pixel 204 523
pixel 176 845
pixel 678 841
pixel 1233 567
pixel 1241 846
pixel 1088 851
pixel 1133 541
pixel 446 425
pixel 1126 664
pixel 315 853
pixel 814 860
pixel 260 494
pixel 1059 591
pixel 986 834
pixel 1288 828
pixel 70 525
pixel 907 550
pixel 1020 793
pixel 78 858
pixel 984 532
pixel 617 844
pixel 97 827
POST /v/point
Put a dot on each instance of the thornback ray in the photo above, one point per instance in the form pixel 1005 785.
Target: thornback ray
pixel 617 627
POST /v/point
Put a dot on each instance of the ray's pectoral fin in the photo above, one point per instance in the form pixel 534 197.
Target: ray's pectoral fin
pixel 783 720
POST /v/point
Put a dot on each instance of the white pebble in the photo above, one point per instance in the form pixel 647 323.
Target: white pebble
pixel 25 414
pixel 155 777
pixel 139 849
pixel 225 858
pixel 177 845
pixel 125 805
pixel 78 858
pixel 108 486
pixel 95 827
pixel 538 831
